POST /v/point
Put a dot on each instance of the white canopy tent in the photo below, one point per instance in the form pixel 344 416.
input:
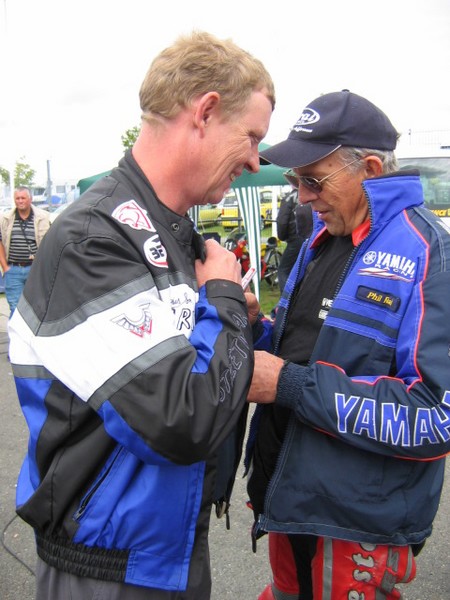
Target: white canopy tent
pixel 246 188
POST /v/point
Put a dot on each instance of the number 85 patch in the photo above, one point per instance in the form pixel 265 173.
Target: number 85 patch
pixel 155 252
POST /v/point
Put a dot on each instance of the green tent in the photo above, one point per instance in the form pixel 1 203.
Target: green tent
pixel 86 183
pixel 267 175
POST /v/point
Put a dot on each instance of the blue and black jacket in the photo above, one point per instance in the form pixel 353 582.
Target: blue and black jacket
pixel 130 379
pixel 363 455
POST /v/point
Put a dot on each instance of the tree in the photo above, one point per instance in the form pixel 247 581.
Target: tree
pixel 4 174
pixel 23 174
pixel 129 137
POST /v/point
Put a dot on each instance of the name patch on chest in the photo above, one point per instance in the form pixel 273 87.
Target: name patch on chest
pixel 379 298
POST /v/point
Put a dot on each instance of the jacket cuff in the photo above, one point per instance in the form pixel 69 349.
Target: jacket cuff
pixel 290 385
pixel 219 288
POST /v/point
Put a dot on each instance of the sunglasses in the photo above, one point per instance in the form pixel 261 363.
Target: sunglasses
pixel 313 184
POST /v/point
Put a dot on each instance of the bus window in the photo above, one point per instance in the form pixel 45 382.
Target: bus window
pixel 435 177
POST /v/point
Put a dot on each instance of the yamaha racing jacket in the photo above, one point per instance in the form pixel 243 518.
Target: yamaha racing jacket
pixel 362 457
pixel 130 378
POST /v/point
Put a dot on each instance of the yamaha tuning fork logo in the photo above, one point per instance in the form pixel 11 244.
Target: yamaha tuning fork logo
pixel 388 266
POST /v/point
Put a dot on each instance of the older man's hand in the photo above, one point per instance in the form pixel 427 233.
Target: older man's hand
pixel 263 389
pixel 253 307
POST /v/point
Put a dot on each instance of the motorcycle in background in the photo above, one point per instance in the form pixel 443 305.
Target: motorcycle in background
pixel 270 255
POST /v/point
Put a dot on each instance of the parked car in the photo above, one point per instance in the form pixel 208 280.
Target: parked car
pixel 208 215
pixel 229 208
pixel 265 198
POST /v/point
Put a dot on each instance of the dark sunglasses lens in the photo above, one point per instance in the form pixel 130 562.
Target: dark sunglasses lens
pixel 292 179
pixel 311 183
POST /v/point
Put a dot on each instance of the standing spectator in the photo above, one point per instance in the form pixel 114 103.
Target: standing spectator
pixel 294 224
pixel 21 232
pixel 132 347
pixel 354 417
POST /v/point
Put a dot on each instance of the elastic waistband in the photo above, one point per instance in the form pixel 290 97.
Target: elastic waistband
pixel 25 263
pixel 83 561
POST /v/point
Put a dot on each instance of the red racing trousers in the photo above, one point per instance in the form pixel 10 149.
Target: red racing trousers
pixel 342 570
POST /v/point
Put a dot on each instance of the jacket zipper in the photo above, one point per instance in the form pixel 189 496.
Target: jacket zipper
pixel 85 501
pixel 283 323
pixel 260 525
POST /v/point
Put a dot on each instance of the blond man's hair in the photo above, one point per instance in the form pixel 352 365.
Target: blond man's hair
pixel 197 64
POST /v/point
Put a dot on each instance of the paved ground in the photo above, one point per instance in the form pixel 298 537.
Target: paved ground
pixel 238 574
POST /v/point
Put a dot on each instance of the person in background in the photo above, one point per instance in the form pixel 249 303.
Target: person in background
pixel 294 224
pixel 132 346
pixel 21 233
pixel 352 380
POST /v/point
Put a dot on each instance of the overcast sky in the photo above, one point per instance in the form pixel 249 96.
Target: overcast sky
pixel 71 69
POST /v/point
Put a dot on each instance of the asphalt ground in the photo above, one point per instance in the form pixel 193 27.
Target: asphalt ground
pixel 237 572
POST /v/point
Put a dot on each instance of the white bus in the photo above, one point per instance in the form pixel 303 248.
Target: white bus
pixel 434 169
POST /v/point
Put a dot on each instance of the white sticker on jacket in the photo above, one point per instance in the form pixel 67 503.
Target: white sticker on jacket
pixel 137 320
pixel 131 214
pixel 155 252
pixel 183 308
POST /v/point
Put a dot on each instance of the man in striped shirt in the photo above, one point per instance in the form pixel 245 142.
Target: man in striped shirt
pixel 21 232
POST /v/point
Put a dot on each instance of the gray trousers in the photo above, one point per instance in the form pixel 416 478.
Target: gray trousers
pixel 53 584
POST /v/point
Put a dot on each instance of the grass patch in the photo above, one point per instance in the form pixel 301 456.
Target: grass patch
pixel 268 297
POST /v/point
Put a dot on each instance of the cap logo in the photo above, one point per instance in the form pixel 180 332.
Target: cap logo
pixel 308 117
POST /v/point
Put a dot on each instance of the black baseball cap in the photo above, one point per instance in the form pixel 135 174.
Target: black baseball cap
pixel 329 122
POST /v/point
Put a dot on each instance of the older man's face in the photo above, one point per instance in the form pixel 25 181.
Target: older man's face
pixel 341 204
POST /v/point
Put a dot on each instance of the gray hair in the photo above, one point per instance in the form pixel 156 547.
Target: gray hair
pixel 387 157
pixel 24 188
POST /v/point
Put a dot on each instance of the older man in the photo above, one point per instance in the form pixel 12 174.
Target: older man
pixel 132 347
pixel 354 417
pixel 21 233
